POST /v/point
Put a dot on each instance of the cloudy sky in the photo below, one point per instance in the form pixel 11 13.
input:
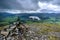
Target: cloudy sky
pixel 42 6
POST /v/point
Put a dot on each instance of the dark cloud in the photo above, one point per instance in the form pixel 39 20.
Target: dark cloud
pixel 56 2
pixel 9 4
pixel 28 4
pixel 45 0
pixel 19 4
pixel 24 4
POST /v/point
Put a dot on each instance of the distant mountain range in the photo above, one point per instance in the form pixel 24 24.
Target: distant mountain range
pixel 25 16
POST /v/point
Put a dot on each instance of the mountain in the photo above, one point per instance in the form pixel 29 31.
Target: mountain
pixel 4 15
pixel 25 16
pixel 7 18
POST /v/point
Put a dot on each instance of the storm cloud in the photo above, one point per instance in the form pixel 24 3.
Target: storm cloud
pixel 19 4
pixel 31 5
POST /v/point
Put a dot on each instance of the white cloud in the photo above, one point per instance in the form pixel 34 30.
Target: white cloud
pixel 18 11
pixel 49 6
pixel 13 11
pixel 10 11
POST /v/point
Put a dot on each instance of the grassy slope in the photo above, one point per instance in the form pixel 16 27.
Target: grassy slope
pixel 45 28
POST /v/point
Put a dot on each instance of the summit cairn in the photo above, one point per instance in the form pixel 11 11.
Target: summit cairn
pixel 16 31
